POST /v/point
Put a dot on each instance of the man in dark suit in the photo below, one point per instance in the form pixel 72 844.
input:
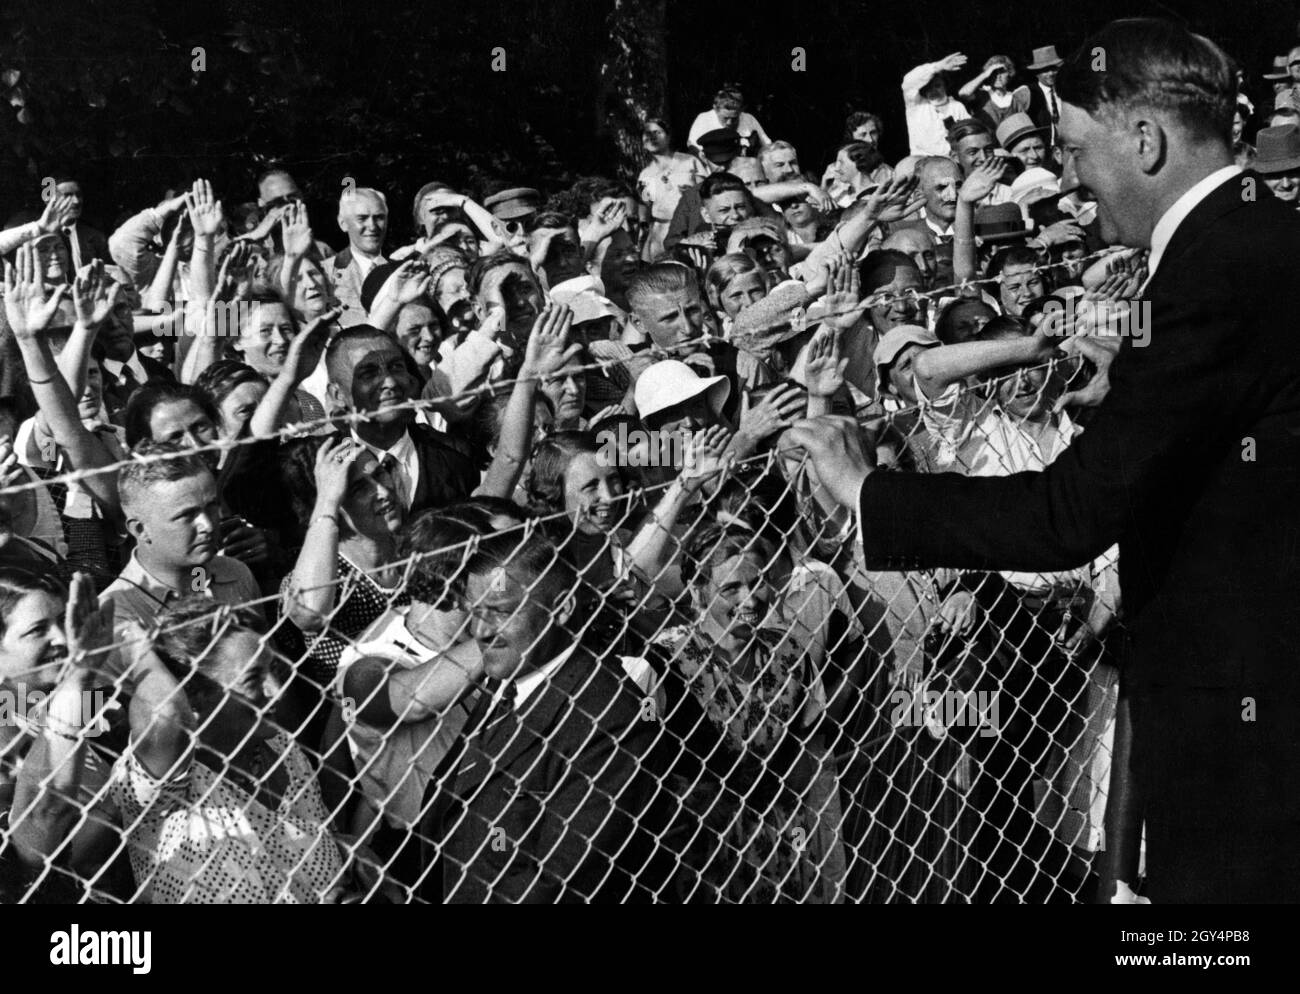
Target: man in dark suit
pixel 1044 105
pixel 122 365
pixel 85 244
pixel 368 372
pixel 550 798
pixel 1192 462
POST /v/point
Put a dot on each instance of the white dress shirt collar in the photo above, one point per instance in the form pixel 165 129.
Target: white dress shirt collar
pixel 134 364
pixel 1178 211
pixel 408 458
pixel 525 686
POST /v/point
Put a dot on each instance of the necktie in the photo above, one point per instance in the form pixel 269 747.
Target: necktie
pixel 397 473
pixel 128 379
pixel 1056 111
pixel 74 249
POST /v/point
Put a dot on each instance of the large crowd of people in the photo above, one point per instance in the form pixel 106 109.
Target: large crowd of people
pixel 486 568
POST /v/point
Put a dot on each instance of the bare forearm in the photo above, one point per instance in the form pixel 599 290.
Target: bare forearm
pixel 159 292
pixel 649 549
pixel 516 439
pixel 312 591
pixel 937 368
pixel 964 260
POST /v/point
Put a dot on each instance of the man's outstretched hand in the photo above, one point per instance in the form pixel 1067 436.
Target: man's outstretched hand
pixel 838 452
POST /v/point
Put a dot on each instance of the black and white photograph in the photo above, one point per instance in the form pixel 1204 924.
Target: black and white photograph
pixel 651 452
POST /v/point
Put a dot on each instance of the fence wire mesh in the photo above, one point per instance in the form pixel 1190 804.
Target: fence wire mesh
pixel 717 703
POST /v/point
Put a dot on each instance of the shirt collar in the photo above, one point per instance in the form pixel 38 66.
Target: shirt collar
pixel 401 450
pixel 525 687
pixel 1168 224
pixel 133 363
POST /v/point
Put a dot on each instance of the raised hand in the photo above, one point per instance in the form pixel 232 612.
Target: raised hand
pixel 843 300
pixel 410 281
pixel 309 345
pixel 11 470
pixel 824 370
pixel 705 456
pixel 1061 231
pixel 774 413
pixel 819 198
pixel 333 461
pixel 94 294
pixel 27 306
pixel 231 270
pixel 981 181
pixel 953 62
pixel 295 229
pixel 836 448
pixel 205 210
pixel 548 350
pixel 87 626
pixel 895 200
pixel 57 215
pixel 607 222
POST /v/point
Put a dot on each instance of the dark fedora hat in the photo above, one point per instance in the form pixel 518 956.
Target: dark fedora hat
pixel 1277 149
pixel 1044 58
pixel 1000 223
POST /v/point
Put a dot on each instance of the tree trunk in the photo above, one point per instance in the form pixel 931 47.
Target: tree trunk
pixel 633 78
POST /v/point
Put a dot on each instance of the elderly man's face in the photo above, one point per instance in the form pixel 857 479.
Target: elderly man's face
pixel 973 151
pixel 781 165
pixel 868 132
pixel 939 185
pixel 365 219
pixel 1031 151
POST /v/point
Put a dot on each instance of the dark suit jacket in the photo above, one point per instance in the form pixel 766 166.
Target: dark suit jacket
pixel 116 393
pixel 92 243
pixel 448 468
pixel 1193 464
pixel 1040 112
pixel 548 803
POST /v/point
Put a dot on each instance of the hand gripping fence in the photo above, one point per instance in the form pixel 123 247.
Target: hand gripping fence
pixel 745 714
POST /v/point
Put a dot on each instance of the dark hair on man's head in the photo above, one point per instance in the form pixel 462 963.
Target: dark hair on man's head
pixel 722 183
pixel 143 400
pixel 966 127
pixel 857 119
pixel 660 278
pixel 729 95
pixel 136 477
pixel 1147 62
pixel 350 336
pixel 484 264
pixel 879 267
pixel 533 560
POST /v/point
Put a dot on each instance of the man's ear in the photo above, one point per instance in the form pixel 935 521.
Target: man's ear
pixel 338 400
pixel 1152 144
pixel 706 213
pixel 565 610
pixel 137 530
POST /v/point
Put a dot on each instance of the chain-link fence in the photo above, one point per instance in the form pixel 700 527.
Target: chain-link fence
pixel 684 690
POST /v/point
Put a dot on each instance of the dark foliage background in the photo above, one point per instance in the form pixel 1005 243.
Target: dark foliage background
pixel 398 94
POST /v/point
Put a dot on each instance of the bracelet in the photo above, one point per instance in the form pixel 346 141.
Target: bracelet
pixel 63 729
pixel 48 379
pixel 962 241
pixel 332 518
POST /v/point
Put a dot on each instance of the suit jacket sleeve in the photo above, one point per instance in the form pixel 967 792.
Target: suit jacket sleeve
pixel 1174 405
